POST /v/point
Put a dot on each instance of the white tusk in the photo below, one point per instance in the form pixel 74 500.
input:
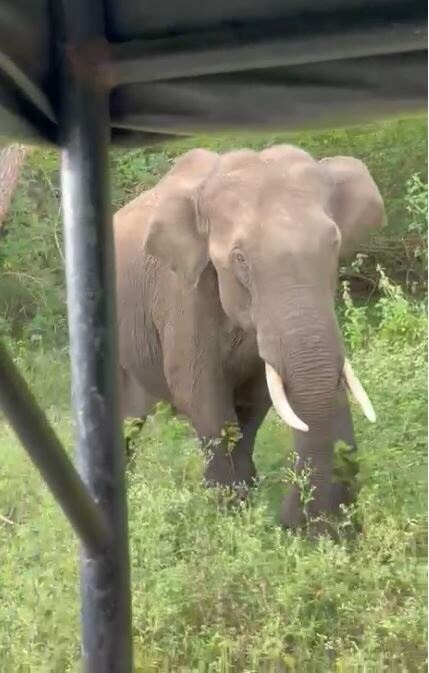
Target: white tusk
pixel 280 401
pixel 358 392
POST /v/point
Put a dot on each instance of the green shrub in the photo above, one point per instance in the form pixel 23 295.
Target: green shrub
pixel 393 151
pixel 228 591
pixel 217 591
pixel 32 295
pixel 416 202
pixel 396 318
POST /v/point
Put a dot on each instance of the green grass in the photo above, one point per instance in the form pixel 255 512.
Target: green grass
pixel 393 150
pixel 228 591
pixel 32 293
pixel 221 591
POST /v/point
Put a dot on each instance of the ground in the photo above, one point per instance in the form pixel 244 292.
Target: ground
pixel 228 591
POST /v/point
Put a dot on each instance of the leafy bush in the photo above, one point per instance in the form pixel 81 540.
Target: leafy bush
pixel 400 320
pixel 216 591
pixel 416 202
pixel 396 318
pixel 32 294
pixel 393 151
pixel 229 591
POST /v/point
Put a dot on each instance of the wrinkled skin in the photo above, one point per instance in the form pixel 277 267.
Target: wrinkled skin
pixel 230 262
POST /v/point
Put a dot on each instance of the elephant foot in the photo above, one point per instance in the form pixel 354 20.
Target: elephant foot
pixel 235 473
pixel 321 514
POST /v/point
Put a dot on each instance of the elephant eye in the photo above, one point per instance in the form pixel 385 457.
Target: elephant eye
pixel 239 257
pixel 241 268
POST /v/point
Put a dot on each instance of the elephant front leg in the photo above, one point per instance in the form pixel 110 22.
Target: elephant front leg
pixel 230 461
pixel 202 395
pixel 321 488
pixel 221 440
pixel 227 434
pixel 235 459
pixel 252 402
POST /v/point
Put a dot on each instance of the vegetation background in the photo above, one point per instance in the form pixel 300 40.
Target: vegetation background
pixel 231 592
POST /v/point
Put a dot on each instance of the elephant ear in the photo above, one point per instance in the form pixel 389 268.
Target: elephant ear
pixel 356 203
pixel 174 238
pixel 177 235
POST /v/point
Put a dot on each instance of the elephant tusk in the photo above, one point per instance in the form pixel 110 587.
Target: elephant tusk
pixel 280 401
pixel 358 391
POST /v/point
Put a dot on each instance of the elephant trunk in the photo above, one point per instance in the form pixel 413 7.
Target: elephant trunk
pixel 305 364
pixel 303 350
pixel 303 345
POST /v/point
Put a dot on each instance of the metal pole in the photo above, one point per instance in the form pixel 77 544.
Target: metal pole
pixel 48 455
pixel 85 127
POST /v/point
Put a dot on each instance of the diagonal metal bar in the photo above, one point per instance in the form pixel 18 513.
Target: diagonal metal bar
pixel 48 455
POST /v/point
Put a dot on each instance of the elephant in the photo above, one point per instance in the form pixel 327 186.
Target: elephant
pixel 226 276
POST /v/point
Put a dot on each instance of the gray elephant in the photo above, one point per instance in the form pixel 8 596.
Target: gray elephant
pixel 226 275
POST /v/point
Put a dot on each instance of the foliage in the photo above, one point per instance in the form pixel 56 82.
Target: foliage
pixel 404 256
pixel 416 202
pixel 355 325
pixel 228 591
pixel 225 590
pixel 397 318
pixel 400 320
pixel 393 151
pixel 32 295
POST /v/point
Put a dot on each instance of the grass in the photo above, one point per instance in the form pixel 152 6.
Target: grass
pixel 218 591
pixel 32 292
pixel 393 151
pixel 222 592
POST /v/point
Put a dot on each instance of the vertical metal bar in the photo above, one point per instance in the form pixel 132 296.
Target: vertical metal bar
pixel 85 127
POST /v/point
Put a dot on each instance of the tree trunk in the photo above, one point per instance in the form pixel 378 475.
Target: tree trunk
pixel 12 158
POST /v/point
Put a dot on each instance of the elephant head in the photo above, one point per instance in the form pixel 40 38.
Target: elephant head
pixel 274 225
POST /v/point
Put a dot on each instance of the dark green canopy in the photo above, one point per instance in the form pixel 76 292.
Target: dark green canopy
pixel 185 66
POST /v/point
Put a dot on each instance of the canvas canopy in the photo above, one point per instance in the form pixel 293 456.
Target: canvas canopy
pixel 206 66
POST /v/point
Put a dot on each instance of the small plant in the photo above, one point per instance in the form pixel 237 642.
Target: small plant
pixel 302 480
pixel 132 431
pixel 355 324
pixel 416 200
pixel 399 317
pixel 346 465
pixel 232 434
